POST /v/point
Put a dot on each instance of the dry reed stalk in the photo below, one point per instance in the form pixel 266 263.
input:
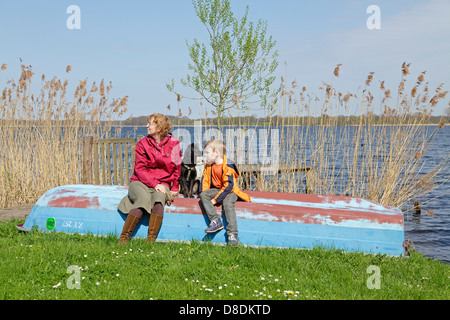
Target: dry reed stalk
pixel 40 135
pixel 380 158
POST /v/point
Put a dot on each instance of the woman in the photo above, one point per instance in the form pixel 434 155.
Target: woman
pixel 155 178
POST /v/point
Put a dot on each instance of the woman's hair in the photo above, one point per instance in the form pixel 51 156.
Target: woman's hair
pixel 216 145
pixel 161 122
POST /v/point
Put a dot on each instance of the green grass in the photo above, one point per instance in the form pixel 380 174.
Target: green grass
pixel 34 266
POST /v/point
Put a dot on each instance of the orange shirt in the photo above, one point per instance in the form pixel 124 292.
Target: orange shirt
pixel 217 172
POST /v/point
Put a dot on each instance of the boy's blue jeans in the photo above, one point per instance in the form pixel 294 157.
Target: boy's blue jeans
pixel 228 206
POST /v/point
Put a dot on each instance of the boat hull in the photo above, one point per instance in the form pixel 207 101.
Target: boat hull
pixel 271 219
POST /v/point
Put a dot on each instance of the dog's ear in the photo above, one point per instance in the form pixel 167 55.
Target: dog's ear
pixel 187 156
pixel 192 150
pixel 197 151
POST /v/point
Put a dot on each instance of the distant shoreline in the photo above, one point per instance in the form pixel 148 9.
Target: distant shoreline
pixel 287 125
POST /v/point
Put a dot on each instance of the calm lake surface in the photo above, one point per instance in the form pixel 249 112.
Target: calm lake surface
pixel 429 234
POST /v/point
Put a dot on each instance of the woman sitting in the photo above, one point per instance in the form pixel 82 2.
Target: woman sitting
pixel 155 179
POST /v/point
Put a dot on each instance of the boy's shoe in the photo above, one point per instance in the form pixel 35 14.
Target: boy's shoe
pixel 233 240
pixel 214 226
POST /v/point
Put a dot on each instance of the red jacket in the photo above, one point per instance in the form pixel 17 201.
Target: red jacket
pixel 158 163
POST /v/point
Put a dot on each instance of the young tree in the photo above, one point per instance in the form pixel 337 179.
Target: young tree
pixel 237 64
pixel 447 112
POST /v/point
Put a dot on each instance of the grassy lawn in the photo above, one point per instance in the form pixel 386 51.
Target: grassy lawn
pixel 35 265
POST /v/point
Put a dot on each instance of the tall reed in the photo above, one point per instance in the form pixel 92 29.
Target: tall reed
pixel 376 152
pixel 41 133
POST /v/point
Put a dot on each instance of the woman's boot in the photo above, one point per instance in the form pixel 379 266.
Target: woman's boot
pixel 153 227
pixel 128 228
pixel 155 221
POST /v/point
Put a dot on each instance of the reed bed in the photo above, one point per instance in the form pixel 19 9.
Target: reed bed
pixel 41 133
pixel 358 146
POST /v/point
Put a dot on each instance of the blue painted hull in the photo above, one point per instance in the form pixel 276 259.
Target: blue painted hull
pixel 273 219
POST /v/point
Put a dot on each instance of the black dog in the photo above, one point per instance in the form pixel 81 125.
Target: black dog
pixel 189 184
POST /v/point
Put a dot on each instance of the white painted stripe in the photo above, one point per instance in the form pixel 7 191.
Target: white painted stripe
pixel 355 204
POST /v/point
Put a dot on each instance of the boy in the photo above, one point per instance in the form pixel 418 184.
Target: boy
pixel 219 186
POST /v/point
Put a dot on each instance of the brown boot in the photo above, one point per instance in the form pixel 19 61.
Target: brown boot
pixel 128 228
pixel 154 225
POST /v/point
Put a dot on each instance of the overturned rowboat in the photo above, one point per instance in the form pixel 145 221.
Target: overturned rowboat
pixel 271 219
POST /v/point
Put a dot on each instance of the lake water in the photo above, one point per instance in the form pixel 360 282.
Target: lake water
pixel 429 234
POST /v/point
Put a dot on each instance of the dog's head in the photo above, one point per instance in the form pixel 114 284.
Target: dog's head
pixel 191 155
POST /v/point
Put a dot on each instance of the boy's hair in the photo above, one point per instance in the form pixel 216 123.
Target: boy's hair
pixel 216 145
pixel 162 122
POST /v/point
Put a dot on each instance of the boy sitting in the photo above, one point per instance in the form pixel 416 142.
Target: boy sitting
pixel 219 186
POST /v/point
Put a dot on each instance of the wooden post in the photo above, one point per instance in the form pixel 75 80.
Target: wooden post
pixel 120 181
pixel 86 177
pixel 116 174
pixel 127 166
pixel 95 153
pixel 417 208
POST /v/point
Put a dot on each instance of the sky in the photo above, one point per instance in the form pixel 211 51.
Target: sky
pixel 141 45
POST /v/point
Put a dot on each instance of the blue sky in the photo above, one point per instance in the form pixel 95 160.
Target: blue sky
pixel 140 45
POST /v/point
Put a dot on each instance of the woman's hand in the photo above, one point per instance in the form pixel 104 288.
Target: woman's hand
pixel 170 197
pixel 160 187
